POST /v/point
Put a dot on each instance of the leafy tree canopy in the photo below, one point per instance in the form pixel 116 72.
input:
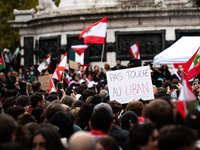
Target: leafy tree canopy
pixel 9 36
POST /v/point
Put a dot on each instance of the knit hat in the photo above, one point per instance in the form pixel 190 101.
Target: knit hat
pixel 36 112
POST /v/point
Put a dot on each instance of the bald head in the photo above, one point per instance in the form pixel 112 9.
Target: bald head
pixel 81 141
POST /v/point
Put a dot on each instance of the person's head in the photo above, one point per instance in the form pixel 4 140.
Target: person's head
pixel 65 108
pixel 107 66
pixel 96 68
pixel 128 120
pixel 7 128
pixel 51 110
pixel 36 85
pixel 67 100
pixel 180 68
pixel 164 67
pixel 106 143
pixel 25 118
pixel 23 101
pixel 135 106
pixel 63 121
pixel 177 138
pixel 51 97
pixel 77 103
pixel 118 62
pixel 84 76
pixel 101 119
pixel 46 139
pixel 143 137
pixel 165 115
pixel 37 99
pixel 75 77
pixel 2 76
pixel 96 99
pixel 154 89
pixel 84 116
pixel 88 100
pixel 81 141
pixel 37 112
pixel 7 102
pixel 103 93
pixel 87 93
pixel 15 111
pixel 31 127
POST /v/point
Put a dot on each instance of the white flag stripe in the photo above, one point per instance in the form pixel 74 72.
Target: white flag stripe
pixel 98 30
pixel 79 46
pixel 79 59
pixel 185 93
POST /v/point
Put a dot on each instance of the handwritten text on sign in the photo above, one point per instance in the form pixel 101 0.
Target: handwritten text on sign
pixel 128 84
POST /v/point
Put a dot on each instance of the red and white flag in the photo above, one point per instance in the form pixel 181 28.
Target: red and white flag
pixel 51 86
pixel 186 100
pixel 60 68
pixel 45 64
pixel 192 67
pixel 95 33
pixel 2 63
pixel 134 50
pixel 175 68
pixel 79 49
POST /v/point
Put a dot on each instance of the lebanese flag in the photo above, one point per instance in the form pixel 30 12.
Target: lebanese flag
pixel 192 67
pixel 67 79
pixel 2 63
pixel 79 49
pixel 134 50
pixel 175 68
pixel 51 86
pixel 60 68
pixel 187 100
pixel 45 64
pixel 95 33
pixel 83 59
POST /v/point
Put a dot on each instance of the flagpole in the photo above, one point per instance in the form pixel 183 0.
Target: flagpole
pixel 102 54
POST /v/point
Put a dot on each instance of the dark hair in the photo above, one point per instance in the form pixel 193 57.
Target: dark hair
pixel 12 146
pixel 84 116
pixel 51 136
pixel 51 110
pixel 36 85
pixel 77 103
pixel 15 111
pixel 135 106
pixel 35 98
pixel 67 100
pixel 7 127
pixel 108 143
pixel 101 120
pixel 23 101
pixel 7 102
pixel 22 137
pixel 128 120
pixel 37 112
pixel 31 127
pixel 176 137
pixel 165 115
pixel 63 121
pixel 96 99
pixel 139 135
pixel 51 97
pixel 25 118
pixel 87 93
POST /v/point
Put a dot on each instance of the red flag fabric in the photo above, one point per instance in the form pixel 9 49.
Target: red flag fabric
pixel 95 33
pixel 79 49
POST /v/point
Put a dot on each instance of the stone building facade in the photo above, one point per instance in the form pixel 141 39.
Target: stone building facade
pixel 154 24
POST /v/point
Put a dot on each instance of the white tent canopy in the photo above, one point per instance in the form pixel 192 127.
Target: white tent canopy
pixel 179 52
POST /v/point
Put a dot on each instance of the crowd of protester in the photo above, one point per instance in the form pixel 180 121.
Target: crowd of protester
pixel 80 115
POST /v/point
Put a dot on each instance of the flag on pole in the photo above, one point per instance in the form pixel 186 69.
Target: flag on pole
pixel 45 64
pixel 83 59
pixel 79 49
pixel 60 68
pixel 187 100
pixel 95 33
pixel 134 50
pixel 175 68
pixel 16 51
pixel 192 67
pixel 2 63
pixel 51 86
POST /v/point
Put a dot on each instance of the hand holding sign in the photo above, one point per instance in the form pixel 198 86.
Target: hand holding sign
pixel 128 84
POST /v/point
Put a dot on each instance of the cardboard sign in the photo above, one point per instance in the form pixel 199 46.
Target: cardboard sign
pixel 44 80
pixel 128 84
pixel 73 65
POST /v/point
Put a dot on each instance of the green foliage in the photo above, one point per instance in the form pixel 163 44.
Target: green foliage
pixel 9 36
pixel 57 2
